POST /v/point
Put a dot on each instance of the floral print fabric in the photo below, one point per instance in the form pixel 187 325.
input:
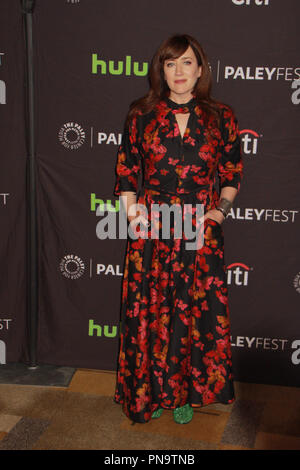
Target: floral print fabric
pixel 175 331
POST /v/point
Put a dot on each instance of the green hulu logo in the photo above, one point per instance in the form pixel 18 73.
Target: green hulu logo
pixel 104 205
pixel 96 330
pixel 121 68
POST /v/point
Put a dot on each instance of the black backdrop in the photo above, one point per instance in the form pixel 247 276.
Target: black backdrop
pixel 91 60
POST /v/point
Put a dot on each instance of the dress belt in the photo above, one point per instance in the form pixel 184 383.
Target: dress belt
pixel 159 190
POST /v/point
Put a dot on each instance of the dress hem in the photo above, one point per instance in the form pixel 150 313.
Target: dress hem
pixel 193 405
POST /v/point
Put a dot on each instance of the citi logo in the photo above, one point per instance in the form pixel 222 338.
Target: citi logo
pixel 251 2
pixel 2 352
pixel 120 67
pixel 249 139
pixel 237 274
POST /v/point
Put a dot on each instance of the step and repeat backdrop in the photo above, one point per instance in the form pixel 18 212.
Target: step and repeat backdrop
pixel 91 60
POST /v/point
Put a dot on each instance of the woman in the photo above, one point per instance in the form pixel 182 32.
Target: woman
pixel 175 339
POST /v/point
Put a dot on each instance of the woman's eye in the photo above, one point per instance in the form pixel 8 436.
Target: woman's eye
pixel 188 62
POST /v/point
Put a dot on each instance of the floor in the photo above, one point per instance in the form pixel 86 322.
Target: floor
pixel 82 415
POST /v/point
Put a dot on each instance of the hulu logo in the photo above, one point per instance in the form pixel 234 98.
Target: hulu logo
pixel 100 66
pixel 96 330
pixel 104 206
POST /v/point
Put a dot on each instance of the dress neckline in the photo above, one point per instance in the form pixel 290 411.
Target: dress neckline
pixel 182 107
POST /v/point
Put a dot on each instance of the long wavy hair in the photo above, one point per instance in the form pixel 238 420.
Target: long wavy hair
pixel 172 48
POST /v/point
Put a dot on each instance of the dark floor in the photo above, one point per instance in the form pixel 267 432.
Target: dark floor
pixel 81 414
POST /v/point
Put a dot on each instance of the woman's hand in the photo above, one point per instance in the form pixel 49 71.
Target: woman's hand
pixel 215 215
pixel 138 218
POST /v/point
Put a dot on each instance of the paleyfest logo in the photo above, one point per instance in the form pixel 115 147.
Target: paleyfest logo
pixel 260 73
pixel 71 135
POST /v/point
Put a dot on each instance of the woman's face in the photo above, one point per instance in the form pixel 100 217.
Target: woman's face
pixel 181 75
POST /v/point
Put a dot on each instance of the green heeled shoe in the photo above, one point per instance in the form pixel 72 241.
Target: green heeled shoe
pixel 157 413
pixel 184 414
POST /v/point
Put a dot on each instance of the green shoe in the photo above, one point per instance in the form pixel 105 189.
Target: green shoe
pixel 184 414
pixel 157 413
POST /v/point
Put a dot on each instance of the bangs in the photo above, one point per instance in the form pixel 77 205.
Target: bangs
pixel 174 49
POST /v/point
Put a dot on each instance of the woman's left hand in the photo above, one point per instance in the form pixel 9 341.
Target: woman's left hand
pixel 215 215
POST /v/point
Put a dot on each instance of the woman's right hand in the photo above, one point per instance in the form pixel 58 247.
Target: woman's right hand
pixel 138 219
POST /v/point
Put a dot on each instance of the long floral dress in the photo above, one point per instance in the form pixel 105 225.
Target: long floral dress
pixel 175 332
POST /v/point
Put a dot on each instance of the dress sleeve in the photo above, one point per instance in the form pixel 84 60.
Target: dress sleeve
pixel 230 166
pixel 128 164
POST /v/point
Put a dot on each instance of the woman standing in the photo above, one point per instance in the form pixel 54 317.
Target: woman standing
pixel 175 348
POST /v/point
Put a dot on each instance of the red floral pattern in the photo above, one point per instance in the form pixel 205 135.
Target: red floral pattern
pixel 175 331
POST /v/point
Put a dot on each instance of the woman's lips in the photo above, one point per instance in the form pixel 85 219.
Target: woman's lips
pixel 180 81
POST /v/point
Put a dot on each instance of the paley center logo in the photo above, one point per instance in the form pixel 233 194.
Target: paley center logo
pixel 71 135
pixel 72 267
